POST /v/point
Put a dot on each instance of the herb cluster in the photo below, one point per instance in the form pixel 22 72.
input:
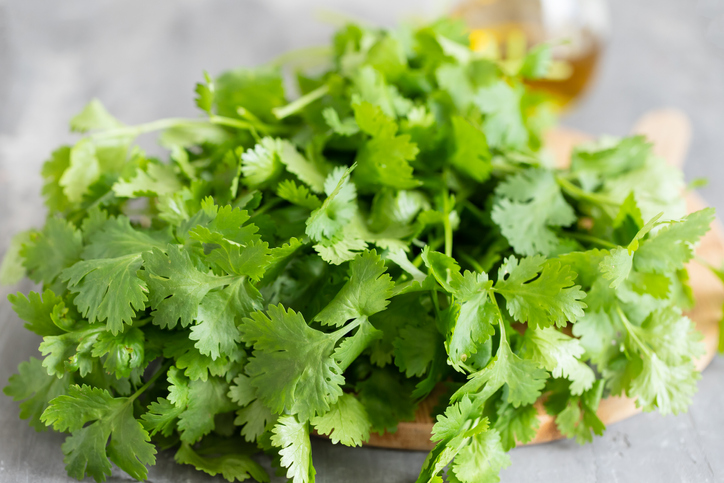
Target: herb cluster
pixel 327 263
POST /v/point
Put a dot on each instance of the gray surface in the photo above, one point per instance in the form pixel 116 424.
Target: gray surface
pixel 142 59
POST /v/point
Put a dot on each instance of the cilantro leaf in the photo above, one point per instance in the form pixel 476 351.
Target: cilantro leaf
pixel 35 388
pixel 56 247
pixel 156 180
pixel 37 312
pixel 561 355
pixel 529 204
pixel 671 247
pixel 206 399
pixel 539 292
pixel 292 439
pixel 336 210
pixel 471 155
pixel 108 289
pixel 219 313
pixel 236 466
pixel 113 433
pixel 523 377
pixel 346 422
pixel 366 292
pixel 176 286
pixel 292 366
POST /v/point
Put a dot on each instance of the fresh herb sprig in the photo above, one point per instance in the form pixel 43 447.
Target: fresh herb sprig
pixel 324 264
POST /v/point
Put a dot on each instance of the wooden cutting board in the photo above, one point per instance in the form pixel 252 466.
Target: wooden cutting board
pixel 670 132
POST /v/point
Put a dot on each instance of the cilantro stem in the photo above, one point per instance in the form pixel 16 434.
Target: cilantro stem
pixel 162 124
pixel 338 334
pixel 590 239
pixel 434 245
pixel 303 56
pixel 446 223
pixel 631 331
pixel 300 103
pixel 471 261
pixel 165 367
pixel 575 192
pixel 133 131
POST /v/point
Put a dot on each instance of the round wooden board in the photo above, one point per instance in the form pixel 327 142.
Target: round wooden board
pixel 670 132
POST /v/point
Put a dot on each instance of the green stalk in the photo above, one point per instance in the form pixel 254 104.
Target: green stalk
pixel 299 104
pixel 446 224
pixel 590 239
pixel 434 245
pixel 597 199
pixel 153 379
pixel 631 331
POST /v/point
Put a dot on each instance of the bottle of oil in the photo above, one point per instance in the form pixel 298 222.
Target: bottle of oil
pixel 576 28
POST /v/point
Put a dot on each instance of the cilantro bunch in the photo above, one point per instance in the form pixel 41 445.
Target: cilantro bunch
pixel 323 265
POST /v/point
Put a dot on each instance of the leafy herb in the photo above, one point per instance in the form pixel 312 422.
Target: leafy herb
pixel 323 264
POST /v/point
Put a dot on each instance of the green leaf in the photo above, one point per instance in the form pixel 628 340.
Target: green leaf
pixel 384 161
pixel 482 459
pixel 343 127
pixel 617 265
pixel 12 270
pixel 337 209
pixel 671 247
pixel 262 164
pixel 94 116
pixel 155 180
pixel 176 287
pixel 415 347
pixel 116 237
pixel 346 422
pixel 205 94
pixel 237 466
pixel 52 172
pixel 113 434
pixel 305 170
pixel 37 312
pixel 537 62
pixel 559 354
pixel 471 155
pixel 503 124
pixel 123 352
pixel 206 399
pixel 292 439
pixel 256 90
pixel 56 247
pixel 372 120
pixel 254 420
pixel 83 170
pixel 250 260
pixel 540 292
pixel 297 195
pixel 35 388
pixel 516 425
pixel 108 289
pixel 528 205
pixel 365 293
pixel 475 317
pixel 387 397
pixel 219 313
pixel 292 367
pixel 523 377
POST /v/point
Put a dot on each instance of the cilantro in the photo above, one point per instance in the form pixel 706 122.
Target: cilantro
pixel 326 264
pixel 113 433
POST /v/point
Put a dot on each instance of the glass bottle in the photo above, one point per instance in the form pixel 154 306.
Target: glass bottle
pixel 577 30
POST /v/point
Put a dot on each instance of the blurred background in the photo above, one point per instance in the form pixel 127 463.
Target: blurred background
pixel 142 58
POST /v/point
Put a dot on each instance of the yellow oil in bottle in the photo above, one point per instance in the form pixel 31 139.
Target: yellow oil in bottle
pixel 506 29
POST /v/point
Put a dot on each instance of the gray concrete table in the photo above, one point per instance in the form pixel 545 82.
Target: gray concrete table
pixel 142 59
